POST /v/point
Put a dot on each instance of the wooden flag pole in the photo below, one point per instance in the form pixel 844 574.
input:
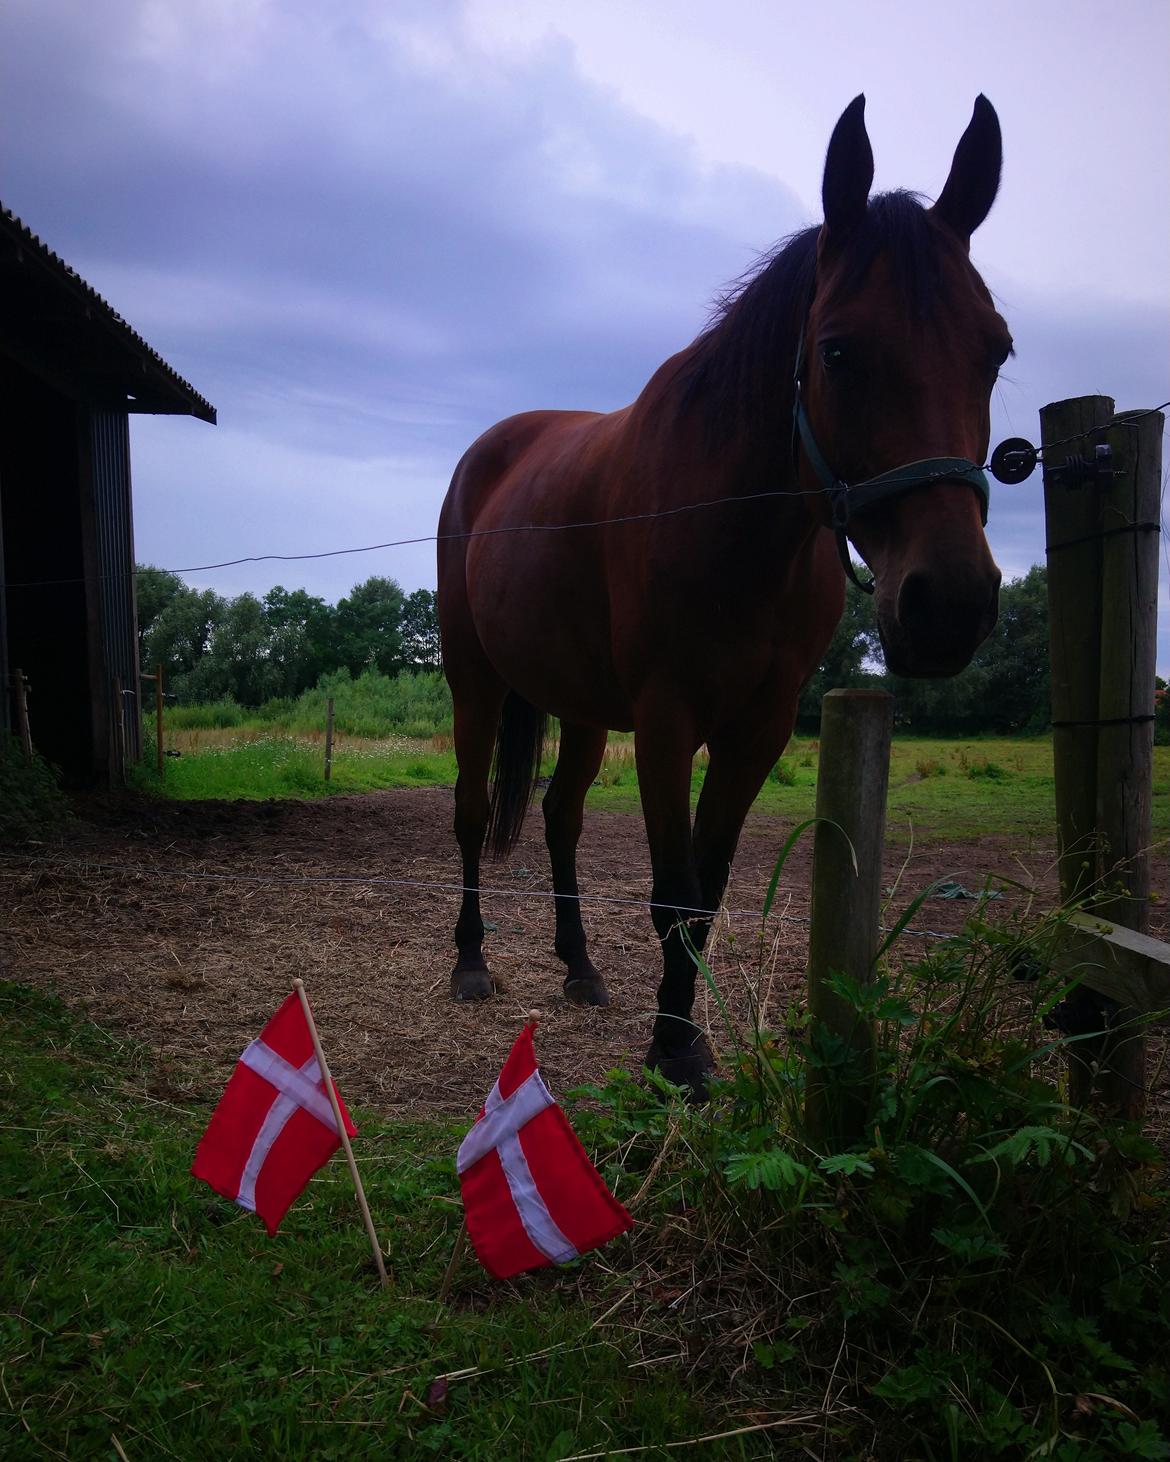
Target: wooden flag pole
pixel 453 1262
pixel 299 987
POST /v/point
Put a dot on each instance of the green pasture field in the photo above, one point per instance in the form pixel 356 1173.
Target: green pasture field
pixel 947 789
pixel 143 1316
pixel 984 1274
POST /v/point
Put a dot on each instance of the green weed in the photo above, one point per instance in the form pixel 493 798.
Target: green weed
pixel 31 800
pixel 989 771
pixel 980 1268
pixel 142 1316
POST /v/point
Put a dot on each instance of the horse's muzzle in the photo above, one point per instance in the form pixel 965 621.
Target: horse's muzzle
pixel 937 622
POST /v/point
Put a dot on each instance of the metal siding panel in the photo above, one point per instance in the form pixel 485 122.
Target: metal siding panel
pixel 110 443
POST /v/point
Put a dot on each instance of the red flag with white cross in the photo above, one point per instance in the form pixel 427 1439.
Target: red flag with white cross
pixel 274 1125
pixel 531 1195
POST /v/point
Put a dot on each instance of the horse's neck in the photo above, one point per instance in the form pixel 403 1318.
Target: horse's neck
pixel 675 431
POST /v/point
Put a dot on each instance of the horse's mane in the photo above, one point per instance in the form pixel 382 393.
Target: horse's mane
pixel 740 369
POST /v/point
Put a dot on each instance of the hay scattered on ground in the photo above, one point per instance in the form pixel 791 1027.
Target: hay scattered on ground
pixel 191 954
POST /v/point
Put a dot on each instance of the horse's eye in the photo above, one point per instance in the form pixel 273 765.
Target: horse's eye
pixel 832 357
pixel 999 359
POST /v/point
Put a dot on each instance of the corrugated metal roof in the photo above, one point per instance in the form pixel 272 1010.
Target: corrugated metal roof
pixel 86 348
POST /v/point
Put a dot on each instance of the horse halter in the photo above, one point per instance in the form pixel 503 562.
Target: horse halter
pixel 846 499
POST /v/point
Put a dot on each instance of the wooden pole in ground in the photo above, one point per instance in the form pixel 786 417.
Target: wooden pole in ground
pixel 119 748
pixel 323 1065
pixel 852 779
pixel 158 721
pixel 1125 746
pixel 1072 515
pixel 22 688
pixel 1073 518
pixel 329 738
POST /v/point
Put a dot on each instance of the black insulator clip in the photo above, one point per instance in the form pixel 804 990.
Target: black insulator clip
pixel 1081 470
pixel 1013 460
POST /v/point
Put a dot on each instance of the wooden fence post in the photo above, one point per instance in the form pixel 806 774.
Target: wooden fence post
pixel 158 721
pixel 329 738
pixel 1073 518
pixel 1102 534
pixel 852 778
pixel 118 750
pixel 22 689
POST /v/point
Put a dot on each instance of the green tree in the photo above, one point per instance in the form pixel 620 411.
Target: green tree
pixel 180 634
pixel 238 662
pixel 419 627
pixel 302 629
pixel 855 641
pixel 1015 657
pixel 1005 688
pixel 367 633
pixel 155 589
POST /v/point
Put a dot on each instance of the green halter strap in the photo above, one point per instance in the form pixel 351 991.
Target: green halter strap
pixel 846 499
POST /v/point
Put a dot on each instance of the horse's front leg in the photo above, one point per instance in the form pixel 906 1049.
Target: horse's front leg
pixel 582 750
pixel 664 745
pixel 739 766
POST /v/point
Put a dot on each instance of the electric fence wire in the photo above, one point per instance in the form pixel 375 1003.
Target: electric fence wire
pixel 518 527
pixel 32 863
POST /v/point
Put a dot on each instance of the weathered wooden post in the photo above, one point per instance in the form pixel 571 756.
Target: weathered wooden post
pixel 1102 499
pixel 329 738
pixel 1073 540
pixel 852 778
pixel 158 721
pixel 21 685
pixel 118 749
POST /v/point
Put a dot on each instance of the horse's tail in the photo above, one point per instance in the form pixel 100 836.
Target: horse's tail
pixel 515 768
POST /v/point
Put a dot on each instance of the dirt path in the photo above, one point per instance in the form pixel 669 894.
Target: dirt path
pixel 193 953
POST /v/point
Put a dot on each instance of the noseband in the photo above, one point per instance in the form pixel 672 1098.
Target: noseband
pixel 847 499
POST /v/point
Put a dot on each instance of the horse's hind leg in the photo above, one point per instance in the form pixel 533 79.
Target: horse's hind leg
pixel 476 719
pixel 582 748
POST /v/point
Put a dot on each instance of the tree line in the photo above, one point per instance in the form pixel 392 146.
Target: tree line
pixel 256 649
pixel 253 650
pixel 1004 690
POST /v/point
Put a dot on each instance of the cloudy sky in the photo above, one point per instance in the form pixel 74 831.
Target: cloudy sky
pixel 367 229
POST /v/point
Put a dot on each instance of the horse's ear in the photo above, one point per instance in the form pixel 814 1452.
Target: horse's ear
pixel 848 172
pixel 970 190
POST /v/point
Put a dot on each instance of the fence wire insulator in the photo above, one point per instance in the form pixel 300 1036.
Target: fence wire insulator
pixel 1081 470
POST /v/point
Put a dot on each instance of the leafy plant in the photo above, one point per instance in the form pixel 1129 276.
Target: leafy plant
pixel 980 1264
pixel 31 800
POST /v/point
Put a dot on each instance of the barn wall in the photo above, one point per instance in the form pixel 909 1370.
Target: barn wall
pixel 108 471
pixel 48 633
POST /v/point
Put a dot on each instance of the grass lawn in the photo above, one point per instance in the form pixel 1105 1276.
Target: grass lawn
pixel 145 1317
pixel 951 789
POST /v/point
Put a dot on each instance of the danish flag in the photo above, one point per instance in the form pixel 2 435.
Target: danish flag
pixel 530 1193
pixel 274 1126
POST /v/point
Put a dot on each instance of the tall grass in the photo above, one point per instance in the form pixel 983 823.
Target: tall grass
pixel 374 705
pixel 982 1272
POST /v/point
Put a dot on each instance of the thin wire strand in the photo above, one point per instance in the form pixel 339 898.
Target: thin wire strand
pixel 194 875
pixel 773 493
pixel 1105 426
pixel 444 537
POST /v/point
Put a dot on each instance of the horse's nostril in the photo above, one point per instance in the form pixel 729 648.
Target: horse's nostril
pixel 935 605
pixel 916 608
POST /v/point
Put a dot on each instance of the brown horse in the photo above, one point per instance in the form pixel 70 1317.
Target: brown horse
pixel 675 567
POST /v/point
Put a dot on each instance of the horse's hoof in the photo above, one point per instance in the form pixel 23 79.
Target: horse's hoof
pixel 588 990
pixel 472 985
pixel 688 1068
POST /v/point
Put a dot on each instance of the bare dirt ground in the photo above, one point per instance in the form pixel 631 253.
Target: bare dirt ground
pixel 183 924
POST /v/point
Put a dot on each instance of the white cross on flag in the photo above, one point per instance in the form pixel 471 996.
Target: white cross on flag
pixel 274 1126
pixel 531 1195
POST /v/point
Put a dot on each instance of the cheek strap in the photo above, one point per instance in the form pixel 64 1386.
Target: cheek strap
pixel 847 499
